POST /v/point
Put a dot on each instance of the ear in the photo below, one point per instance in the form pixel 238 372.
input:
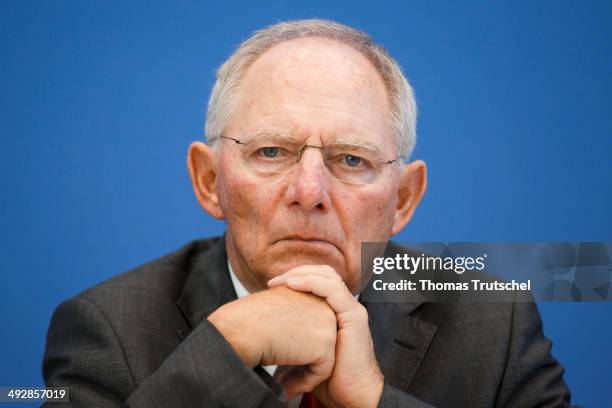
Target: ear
pixel 202 164
pixel 412 186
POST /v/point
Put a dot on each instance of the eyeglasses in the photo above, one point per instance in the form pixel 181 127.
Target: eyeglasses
pixel 351 163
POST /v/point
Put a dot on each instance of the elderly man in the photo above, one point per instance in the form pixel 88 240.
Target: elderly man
pixel 308 126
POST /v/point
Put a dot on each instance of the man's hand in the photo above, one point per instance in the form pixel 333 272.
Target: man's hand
pixel 282 327
pixel 356 380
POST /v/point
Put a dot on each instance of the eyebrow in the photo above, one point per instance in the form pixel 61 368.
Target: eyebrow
pixel 358 144
pixel 273 135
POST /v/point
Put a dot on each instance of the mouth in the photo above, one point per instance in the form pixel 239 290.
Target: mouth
pixel 308 240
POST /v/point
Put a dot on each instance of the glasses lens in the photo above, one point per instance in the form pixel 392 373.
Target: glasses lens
pixel 270 156
pixel 352 164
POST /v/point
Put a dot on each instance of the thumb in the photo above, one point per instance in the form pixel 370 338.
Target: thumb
pixel 300 379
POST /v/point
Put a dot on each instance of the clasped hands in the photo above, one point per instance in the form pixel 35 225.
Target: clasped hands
pixel 308 320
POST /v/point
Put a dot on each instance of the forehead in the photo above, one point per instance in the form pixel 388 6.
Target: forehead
pixel 316 87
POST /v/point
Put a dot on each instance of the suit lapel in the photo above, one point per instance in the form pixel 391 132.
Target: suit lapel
pixel 400 340
pixel 208 286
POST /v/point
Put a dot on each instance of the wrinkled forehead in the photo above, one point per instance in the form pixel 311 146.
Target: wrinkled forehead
pixel 316 89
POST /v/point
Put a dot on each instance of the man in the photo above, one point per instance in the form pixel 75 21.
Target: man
pixel 308 127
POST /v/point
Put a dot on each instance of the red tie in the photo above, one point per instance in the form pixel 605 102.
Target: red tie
pixel 309 400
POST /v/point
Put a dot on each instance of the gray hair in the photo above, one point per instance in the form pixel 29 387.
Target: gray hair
pixel 224 95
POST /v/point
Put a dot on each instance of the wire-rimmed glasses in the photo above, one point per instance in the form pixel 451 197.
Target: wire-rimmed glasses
pixel 354 163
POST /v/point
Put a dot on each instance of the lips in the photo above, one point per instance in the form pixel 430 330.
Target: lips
pixel 312 239
pixel 306 238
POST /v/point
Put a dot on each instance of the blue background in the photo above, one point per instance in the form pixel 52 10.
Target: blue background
pixel 100 100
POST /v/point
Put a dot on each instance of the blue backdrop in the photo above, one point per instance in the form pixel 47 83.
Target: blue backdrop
pixel 99 102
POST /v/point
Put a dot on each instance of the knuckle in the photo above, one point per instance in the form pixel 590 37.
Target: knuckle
pixel 329 270
pixel 330 324
pixel 361 312
pixel 330 315
pixel 326 339
pixel 330 341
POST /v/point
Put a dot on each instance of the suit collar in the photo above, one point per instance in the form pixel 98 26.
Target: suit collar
pixel 208 285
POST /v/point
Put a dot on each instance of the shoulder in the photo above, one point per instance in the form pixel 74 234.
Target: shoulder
pixel 141 302
pixel 162 278
pixel 135 311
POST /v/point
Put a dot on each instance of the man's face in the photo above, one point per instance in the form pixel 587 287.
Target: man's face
pixel 319 92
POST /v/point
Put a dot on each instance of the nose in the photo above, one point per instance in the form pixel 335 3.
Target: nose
pixel 308 186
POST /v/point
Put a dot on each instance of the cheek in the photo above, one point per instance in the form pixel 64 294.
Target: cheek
pixel 243 199
pixel 372 215
pixel 233 193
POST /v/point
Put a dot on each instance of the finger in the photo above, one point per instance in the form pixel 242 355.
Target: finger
pixel 282 280
pixel 320 270
pixel 306 378
pixel 284 373
pixel 325 271
pixel 335 293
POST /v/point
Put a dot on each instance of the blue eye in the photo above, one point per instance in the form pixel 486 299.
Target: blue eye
pixel 352 161
pixel 270 152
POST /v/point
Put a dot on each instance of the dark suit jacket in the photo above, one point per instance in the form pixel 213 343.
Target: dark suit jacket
pixel 142 339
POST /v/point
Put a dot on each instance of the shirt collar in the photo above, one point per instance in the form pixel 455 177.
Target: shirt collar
pixel 241 291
